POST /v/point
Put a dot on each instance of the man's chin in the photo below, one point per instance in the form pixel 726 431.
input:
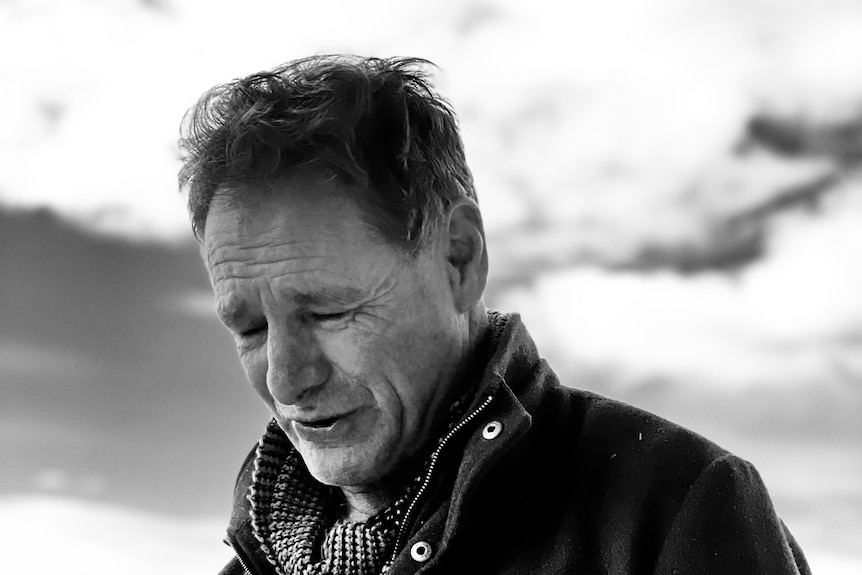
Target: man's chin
pixel 342 470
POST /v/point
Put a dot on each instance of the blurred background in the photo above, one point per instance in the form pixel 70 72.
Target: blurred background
pixel 673 202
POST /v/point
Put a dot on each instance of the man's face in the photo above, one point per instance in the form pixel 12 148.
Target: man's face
pixel 352 345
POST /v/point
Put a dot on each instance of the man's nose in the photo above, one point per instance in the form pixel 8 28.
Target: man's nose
pixel 295 364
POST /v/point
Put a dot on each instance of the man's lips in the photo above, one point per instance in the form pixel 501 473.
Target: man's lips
pixel 329 429
pixel 321 422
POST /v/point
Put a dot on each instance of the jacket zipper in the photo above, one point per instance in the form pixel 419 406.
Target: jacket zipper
pixel 426 482
pixel 239 557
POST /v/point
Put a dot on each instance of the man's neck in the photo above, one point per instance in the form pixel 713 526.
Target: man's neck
pixel 362 505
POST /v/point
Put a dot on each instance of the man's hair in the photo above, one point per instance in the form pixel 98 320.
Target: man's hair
pixel 373 122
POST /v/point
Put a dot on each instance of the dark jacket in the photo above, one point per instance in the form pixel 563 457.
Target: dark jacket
pixel 575 483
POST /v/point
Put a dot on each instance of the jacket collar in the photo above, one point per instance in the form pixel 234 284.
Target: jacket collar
pixel 514 358
pixel 517 381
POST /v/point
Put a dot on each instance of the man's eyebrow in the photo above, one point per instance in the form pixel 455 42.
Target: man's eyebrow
pixel 326 296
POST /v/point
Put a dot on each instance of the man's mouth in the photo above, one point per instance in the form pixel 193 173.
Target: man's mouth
pixel 320 423
pixel 333 429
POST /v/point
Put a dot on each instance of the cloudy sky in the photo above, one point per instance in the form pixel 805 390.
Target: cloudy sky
pixel 673 201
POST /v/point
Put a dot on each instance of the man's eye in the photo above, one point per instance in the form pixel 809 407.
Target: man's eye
pixel 257 330
pixel 325 317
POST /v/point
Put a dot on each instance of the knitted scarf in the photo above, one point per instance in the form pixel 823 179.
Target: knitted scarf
pixel 298 522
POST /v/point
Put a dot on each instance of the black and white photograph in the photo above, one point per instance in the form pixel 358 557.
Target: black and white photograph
pixel 433 287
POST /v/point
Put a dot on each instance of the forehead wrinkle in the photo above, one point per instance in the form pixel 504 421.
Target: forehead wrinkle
pixel 272 261
pixel 266 270
pixel 330 287
pixel 238 257
pixel 215 247
pixel 230 251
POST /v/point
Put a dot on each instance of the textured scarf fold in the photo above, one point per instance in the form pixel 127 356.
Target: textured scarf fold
pixel 296 519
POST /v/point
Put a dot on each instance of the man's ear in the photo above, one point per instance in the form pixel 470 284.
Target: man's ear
pixel 466 258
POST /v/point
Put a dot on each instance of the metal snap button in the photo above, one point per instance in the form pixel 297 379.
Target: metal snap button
pixel 420 552
pixel 492 429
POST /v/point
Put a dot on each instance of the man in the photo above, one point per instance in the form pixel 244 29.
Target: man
pixel 414 431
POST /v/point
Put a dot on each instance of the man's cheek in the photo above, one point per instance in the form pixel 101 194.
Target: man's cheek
pixel 350 352
pixel 255 370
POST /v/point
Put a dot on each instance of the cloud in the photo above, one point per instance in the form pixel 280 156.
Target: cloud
pixel 579 108
pixel 594 130
pixel 85 538
pixel 62 481
pixel 101 375
pixel 793 318
pixel 194 303
pixel 835 564
pixel 95 138
pixel 18 359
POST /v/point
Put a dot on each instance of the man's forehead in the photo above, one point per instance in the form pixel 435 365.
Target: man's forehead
pixel 243 210
pixel 226 227
pixel 233 226
pixel 301 183
pixel 232 212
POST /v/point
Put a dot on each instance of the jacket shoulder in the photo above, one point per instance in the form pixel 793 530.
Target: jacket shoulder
pixel 603 449
pixel 727 523
pixel 595 426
